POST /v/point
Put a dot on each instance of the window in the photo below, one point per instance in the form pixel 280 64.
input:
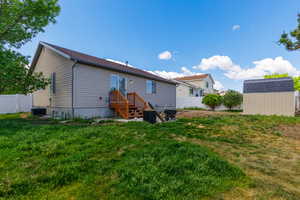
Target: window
pixel 53 83
pixel 201 93
pixel 207 84
pixel 150 87
pixel 191 91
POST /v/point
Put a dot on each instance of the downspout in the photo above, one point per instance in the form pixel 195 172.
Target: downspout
pixel 72 99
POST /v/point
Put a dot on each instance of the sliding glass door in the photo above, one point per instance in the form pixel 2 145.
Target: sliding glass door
pixel 118 83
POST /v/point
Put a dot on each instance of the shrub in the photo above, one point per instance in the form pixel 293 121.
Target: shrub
pixel 212 100
pixel 232 98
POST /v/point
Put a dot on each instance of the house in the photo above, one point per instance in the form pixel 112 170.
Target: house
pixel 188 89
pixel 202 84
pixel 269 97
pixel 191 89
pixel 87 86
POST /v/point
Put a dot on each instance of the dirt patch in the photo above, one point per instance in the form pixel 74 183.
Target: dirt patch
pixel 200 113
pixel 24 115
pixel 291 131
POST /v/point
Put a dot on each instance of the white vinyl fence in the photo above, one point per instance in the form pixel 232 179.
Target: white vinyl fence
pixel 297 99
pixel 15 103
pixel 189 102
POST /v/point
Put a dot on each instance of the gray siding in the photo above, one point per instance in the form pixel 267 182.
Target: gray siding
pixel 49 62
pixel 92 86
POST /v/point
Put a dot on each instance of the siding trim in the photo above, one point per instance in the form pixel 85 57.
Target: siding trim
pixel 57 51
pixel 72 88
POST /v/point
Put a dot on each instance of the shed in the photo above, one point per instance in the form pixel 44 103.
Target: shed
pixel 269 96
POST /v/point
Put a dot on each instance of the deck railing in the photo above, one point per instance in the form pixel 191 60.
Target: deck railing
pixel 118 102
pixel 137 101
pixel 122 105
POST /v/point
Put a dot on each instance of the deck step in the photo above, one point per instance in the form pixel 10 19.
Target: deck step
pixel 130 106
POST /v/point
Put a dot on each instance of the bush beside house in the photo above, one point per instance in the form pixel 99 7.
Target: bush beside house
pixel 212 101
pixel 232 99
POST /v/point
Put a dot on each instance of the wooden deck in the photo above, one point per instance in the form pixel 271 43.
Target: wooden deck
pixel 129 107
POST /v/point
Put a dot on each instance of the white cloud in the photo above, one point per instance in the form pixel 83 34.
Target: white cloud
pixel 222 62
pixel 218 85
pixel 170 75
pixel 184 72
pixel 236 27
pixel 166 55
pixel 262 67
pixel 187 72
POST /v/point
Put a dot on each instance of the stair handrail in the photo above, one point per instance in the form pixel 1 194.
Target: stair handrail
pixel 137 99
pixel 118 95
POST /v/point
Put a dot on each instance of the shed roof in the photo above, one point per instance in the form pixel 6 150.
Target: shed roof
pixel 269 85
pixel 97 62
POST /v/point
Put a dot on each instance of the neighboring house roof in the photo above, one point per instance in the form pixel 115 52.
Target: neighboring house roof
pixel 186 84
pixel 194 77
pixel 269 85
pixel 97 62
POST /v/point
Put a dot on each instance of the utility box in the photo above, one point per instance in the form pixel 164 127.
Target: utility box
pixel 149 116
pixel 38 111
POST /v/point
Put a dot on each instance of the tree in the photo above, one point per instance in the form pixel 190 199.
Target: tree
pixel 291 41
pixel 212 100
pixel 296 79
pixel 232 98
pixel 14 75
pixel 21 20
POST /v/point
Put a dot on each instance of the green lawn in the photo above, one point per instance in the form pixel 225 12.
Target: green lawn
pixel 187 159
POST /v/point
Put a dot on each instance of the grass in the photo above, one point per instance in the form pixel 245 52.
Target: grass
pixel 110 161
pixel 257 145
pixel 216 157
pixel 191 108
pixel 234 111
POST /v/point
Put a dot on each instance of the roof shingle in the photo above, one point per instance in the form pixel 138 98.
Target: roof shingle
pixel 185 78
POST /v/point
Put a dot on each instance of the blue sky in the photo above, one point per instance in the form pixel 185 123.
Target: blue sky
pixel 196 34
